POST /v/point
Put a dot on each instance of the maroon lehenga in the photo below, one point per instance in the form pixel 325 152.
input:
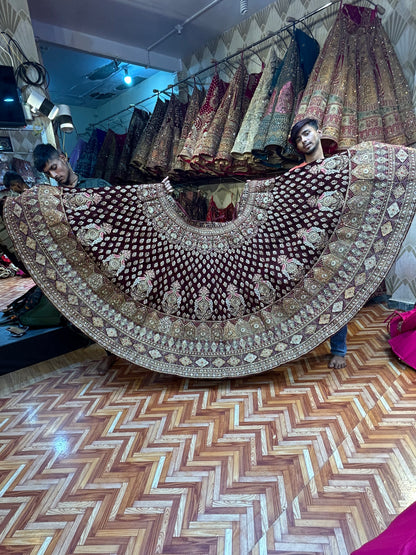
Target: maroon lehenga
pixel 212 153
pixel 124 172
pixel 216 214
pixel 204 118
pixel 209 300
pixel 194 105
pixel 109 155
pixel 144 146
pixel 357 90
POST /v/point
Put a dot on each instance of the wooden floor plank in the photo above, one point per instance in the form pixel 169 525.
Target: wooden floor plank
pixel 301 459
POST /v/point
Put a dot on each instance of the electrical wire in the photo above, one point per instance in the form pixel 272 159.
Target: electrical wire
pixel 8 53
pixel 29 72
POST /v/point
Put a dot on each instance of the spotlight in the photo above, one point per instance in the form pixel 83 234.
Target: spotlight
pixel 127 77
pixel 64 118
pixel 41 104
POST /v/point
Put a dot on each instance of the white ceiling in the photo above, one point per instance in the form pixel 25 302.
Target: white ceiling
pixel 151 34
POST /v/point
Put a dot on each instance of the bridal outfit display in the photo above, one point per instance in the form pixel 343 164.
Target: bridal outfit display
pixel 208 300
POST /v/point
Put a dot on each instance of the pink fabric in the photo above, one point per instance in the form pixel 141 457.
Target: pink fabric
pixel 404 346
pixel 398 539
pixel 402 328
pixel 399 322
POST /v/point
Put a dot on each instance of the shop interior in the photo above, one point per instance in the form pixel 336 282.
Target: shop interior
pixel 105 453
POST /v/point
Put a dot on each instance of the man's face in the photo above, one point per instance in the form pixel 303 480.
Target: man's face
pixel 308 139
pixel 18 186
pixel 58 169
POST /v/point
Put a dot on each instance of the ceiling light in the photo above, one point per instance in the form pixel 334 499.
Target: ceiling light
pixel 243 6
pixel 127 78
pixel 41 104
pixel 64 118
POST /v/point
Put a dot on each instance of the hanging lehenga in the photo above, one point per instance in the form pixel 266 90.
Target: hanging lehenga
pixel 124 172
pixel 144 146
pixel 86 162
pixel 271 144
pixel 244 161
pixel 357 90
pixel 163 150
pixel 206 114
pixel 194 105
pixel 108 156
pixel 240 101
pixel 209 300
pixel 209 154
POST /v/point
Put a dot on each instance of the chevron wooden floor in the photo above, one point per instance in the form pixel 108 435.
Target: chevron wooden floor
pixel 121 460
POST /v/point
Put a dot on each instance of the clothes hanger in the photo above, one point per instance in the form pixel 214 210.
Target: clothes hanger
pixel 141 107
pixel 200 82
pixel 379 9
pixel 250 50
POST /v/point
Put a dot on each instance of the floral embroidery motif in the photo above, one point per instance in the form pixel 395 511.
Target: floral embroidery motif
pixel 235 302
pixel 172 299
pixel 203 305
pixel 263 289
pixel 115 263
pixel 334 164
pixel 92 234
pixel 81 201
pixel 329 201
pixel 142 286
pixel 291 268
pixel 313 237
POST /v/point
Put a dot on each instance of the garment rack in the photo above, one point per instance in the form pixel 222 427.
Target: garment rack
pixel 290 25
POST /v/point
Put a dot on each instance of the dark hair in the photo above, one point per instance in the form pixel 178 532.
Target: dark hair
pixel 10 176
pixel 298 126
pixel 42 154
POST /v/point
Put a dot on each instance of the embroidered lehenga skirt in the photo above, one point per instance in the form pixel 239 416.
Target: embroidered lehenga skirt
pixel 209 300
pixel 357 90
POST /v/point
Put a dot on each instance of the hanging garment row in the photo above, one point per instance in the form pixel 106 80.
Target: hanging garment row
pixel 354 87
pixel 187 140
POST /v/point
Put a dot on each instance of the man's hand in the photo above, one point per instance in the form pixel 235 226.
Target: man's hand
pixel 168 186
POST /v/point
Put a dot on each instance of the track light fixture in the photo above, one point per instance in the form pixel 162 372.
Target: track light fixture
pixel 64 118
pixel 40 103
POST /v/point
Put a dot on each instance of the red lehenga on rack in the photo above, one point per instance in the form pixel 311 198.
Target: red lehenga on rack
pixel 205 116
pixel 212 300
pixel 210 152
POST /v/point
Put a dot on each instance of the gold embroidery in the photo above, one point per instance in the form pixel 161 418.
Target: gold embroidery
pixel 142 286
pixel 172 299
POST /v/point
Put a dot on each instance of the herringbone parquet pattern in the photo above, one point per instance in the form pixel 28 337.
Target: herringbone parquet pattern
pixel 299 460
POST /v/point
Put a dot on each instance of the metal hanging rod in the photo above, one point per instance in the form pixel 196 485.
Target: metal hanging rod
pixel 290 25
